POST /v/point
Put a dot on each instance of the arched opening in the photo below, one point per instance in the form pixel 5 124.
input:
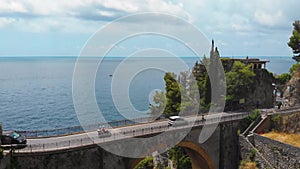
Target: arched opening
pixel 199 157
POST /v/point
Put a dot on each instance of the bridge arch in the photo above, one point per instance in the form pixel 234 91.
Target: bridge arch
pixel 199 157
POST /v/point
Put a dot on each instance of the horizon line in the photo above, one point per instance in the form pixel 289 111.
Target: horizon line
pixel 75 56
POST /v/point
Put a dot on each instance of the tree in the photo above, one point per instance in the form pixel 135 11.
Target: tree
pixel 173 95
pixel 159 104
pixel 179 156
pixel 146 163
pixel 294 42
pixel 239 81
pixel 295 67
pixel 283 78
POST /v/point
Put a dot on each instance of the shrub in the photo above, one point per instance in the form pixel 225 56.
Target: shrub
pixel 295 67
pixel 146 163
pixel 276 118
pixel 252 155
pixel 247 165
pixel 283 78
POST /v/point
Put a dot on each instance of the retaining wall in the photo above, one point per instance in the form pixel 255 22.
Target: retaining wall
pixel 280 155
pixel 246 147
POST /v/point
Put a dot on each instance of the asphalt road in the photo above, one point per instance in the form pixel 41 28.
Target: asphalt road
pixel 76 140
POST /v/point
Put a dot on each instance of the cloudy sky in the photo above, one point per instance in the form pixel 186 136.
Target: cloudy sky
pixel 62 27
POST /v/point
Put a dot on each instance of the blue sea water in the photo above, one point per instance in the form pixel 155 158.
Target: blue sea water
pixel 36 92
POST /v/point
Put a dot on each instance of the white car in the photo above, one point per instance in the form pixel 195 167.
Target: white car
pixel 176 121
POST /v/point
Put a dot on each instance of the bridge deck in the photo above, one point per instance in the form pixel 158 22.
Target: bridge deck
pixel 90 138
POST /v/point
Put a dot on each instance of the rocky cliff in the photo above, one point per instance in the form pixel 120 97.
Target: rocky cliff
pixel 262 90
pixel 292 91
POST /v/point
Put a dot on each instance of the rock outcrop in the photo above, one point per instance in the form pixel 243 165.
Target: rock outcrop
pixel 292 91
pixel 262 90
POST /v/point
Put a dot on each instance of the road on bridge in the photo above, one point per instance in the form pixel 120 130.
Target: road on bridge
pixel 89 138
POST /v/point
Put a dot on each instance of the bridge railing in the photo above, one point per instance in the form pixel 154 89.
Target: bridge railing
pixel 150 128
pixel 79 129
pixel 287 110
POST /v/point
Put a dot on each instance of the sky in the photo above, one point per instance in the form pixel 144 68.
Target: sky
pixel 62 27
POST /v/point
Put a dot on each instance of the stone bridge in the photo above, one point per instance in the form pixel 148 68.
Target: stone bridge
pixel 84 150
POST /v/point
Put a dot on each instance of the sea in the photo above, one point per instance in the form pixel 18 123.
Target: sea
pixel 36 92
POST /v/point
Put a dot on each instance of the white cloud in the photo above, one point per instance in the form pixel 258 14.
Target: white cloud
pixel 233 22
pixel 12 6
pixel 6 21
pixel 268 19
pixel 54 13
pixel 127 6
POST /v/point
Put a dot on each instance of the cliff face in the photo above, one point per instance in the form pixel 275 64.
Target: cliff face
pixel 292 91
pixel 288 123
pixel 262 90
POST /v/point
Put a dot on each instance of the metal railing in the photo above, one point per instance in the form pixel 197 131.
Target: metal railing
pixel 80 129
pixel 128 132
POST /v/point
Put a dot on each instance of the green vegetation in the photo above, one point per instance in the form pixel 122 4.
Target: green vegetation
pixel 276 123
pixel 294 42
pixel 295 67
pixel 276 119
pixel 183 90
pixel 249 119
pixel 180 158
pixel 177 154
pixel 283 78
pixel 181 96
pixel 146 163
pixel 254 115
pixel 252 155
pixel 159 166
pixel 239 80
pixel 173 95
pixel 160 104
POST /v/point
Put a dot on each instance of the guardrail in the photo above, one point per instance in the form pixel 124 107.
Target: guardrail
pixel 287 110
pixel 144 129
pixel 79 129
pixel 252 126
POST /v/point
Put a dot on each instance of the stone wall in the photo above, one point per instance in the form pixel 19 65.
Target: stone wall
pixel 280 155
pixel 246 147
pixel 264 125
pixel 91 158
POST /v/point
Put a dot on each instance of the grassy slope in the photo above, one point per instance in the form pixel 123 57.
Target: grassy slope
pixel 292 139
